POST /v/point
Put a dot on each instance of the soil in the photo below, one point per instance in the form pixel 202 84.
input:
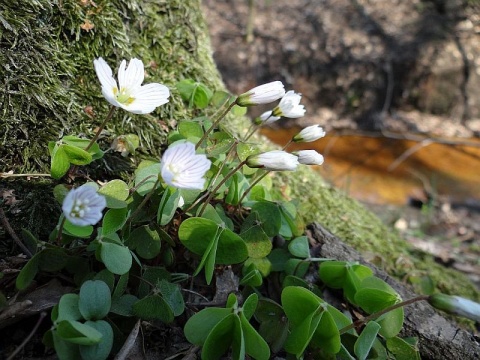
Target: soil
pixel 407 67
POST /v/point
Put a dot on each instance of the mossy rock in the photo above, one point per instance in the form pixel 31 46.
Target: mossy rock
pixel 46 65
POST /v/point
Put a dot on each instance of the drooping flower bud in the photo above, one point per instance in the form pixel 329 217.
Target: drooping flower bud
pixel 309 157
pixel 309 134
pixel 262 94
pixel 275 160
pixel 289 106
pixel 456 305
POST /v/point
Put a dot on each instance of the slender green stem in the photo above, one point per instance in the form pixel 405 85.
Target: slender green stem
pixel 213 192
pixel 251 130
pixel 100 129
pixel 255 182
pixel 287 144
pixel 214 125
pixel 60 230
pixel 381 312
pixel 144 201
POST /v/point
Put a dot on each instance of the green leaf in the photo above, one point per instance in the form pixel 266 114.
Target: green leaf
pixel 190 129
pixel 114 220
pixel 52 259
pixel 239 110
pixel 60 191
pixel 251 276
pixel 65 350
pixel 78 333
pixel 107 277
pixel 145 240
pixel 121 285
pixel 60 162
pixel 299 247
pixel 82 144
pixel 195 234
pixel 76 230
pixel 186 89
pixel 115 192
pixel 273 323
pixel 146 174
pixel 77 156
pixel 68 308
pixel 250 305
pixel 116 258
pixel 365 341
pixel 258 243
pixel 168 205
pixel 269 216
pixel 297 267
pixel 173 296
pixel 123 305
pixel 220 98
pixel 278 258
pixel 95 300
pixel 402 350
pixel 220 338
pixel 199 326
pixel 28 272
pixel 99 351
pixel 255 345
pixel 152 275
pixel 301 335
pixel 332 273
pixel 391 323
pixel 30 241
pixel 327 336
pixel 153 307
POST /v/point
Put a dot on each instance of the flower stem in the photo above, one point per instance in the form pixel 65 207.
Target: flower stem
pixel 212 193
pixel 100 129
pixel 255 182
pixel 381 312
pixel 144 201
pixel 214 125
pixel 60 231
pixel 287 144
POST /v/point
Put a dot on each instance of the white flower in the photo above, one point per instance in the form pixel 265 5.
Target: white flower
pixel 266 118
pixel 290 106
pixel 309 134
pixel 262 94
pixel 131 95
pixel 456 305
pixel 309 157
pixel 83 206
pixel 182 168
pixel 275 160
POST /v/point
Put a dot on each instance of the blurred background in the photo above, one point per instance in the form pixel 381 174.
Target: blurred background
pixel 396 85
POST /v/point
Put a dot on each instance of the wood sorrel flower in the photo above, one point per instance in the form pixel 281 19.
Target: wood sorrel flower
pixel 309 157
pixel 130 95
pixel 309 134
pixel 289 106
pixel 83 206
pixel 275 160
pixel 182 168
pixel 262 94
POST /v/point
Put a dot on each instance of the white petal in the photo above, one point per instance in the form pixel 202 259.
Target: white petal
pixel 147 98
pixel 104 74
pixel 133 76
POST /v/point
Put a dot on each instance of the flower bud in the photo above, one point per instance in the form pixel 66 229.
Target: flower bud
pixel 262 94
pixel 309 134
pixel 266 118
pixel 309 157
pixel 456 305
pixel 275 160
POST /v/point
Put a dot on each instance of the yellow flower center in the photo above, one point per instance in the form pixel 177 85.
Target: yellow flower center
pixel 123 97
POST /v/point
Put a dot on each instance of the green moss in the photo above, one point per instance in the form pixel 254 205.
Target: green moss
pixel 47 63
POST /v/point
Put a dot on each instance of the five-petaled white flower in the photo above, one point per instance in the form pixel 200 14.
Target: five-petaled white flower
pixel 276 160
pixel 262 94
pixel 83 206
pixel 266 118
pixel 182 168
pixel 309 134
pixel 289 106
pixel 309 157
pixel 130 94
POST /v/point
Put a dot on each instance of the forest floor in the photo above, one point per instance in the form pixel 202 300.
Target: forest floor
pixel 333 52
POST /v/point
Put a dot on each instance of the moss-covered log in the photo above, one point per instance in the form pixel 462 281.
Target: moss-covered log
pixel 49 89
